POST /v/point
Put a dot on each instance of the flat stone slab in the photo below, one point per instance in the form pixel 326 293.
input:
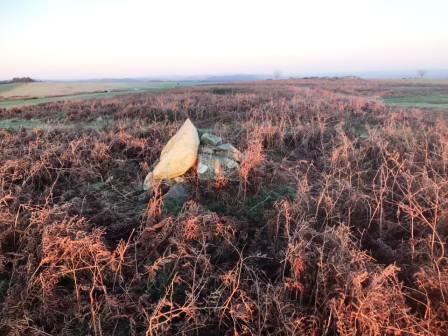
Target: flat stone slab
pixel 210 139
pixel 229 151
pixel 176 196
pixel 211 167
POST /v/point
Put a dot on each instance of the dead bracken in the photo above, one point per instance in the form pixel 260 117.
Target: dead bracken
pixel 306 208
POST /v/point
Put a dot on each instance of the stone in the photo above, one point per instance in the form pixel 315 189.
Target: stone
pixel 176 196
pixel 229 151
pixel 206 150
pixel 148 183
pixel 179 179
pixel 202 168
pixel 214 159
pixel 210 139
pixel 179 154
pixel 230 164
pixel 171 182
pixel 210 167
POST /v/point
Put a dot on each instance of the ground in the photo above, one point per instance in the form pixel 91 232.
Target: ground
pixel 336 225
pixel 16 95
pixel 432 94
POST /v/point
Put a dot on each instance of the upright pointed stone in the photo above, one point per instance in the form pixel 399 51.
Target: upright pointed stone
pixel 179 154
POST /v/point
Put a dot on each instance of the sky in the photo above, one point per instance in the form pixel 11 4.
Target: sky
pixel 78 39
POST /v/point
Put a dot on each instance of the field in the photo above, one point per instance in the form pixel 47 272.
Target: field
pixel 16 95
pixel 337 224
pixel 424 94
pixel 430 101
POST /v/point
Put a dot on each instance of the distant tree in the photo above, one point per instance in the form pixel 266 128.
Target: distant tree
pixel 422 73
pixel 277 74
pixel 18 80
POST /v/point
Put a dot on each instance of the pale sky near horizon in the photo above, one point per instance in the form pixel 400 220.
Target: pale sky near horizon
pixel 59 39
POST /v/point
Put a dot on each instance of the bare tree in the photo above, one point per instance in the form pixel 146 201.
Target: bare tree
pixel 277 74
pixel 422 73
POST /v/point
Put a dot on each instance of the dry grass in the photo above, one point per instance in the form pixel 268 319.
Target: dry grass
pixel 337 226
pixel 58 89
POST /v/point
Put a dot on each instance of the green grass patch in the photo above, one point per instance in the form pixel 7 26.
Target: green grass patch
pixel 7 87
pixel 433 101
pixel 15 124
pixel 257 205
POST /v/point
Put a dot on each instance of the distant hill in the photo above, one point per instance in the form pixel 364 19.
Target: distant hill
pixel 198 78
pixel 328 77
pixel 236 78
pixel 19 80
pixel 387 74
